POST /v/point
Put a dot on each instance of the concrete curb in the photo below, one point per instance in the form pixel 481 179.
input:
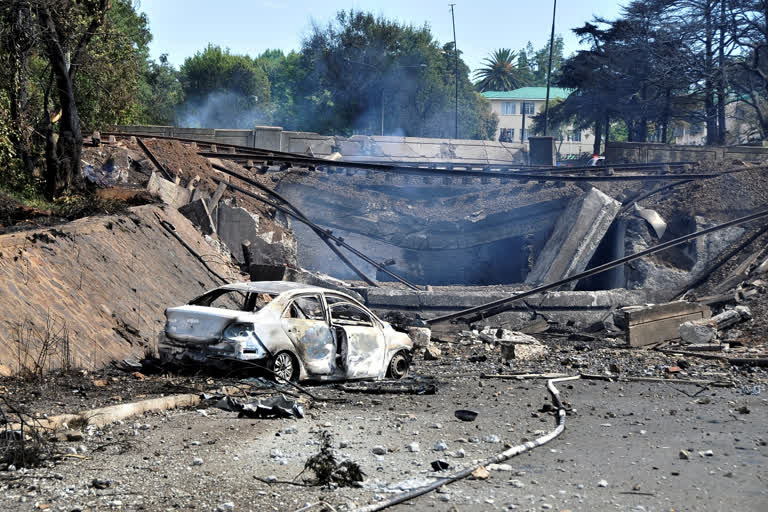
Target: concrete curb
pixel 106 415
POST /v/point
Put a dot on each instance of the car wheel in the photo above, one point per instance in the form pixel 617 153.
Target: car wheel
pixel 284 366
pixel 398 366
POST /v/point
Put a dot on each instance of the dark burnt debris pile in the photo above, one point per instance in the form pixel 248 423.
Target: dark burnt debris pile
pixel 499 274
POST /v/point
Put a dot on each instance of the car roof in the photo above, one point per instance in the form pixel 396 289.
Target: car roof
pixel 272 287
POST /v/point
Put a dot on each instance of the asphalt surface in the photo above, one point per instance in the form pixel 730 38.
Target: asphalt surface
pixel 620 451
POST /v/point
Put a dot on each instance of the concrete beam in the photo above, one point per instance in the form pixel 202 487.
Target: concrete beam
pixel 660 322
pixel 575 238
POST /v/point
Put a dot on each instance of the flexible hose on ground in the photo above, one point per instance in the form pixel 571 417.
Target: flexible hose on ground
pixel 501 457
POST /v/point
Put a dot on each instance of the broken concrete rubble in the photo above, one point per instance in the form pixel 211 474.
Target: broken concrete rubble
pixel 167 191
pixel 656 323
pixel 197 212
pixel 575 238
pixel 235 225
pixel 706 331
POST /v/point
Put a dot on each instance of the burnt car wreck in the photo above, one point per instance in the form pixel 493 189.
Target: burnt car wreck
pixel 295 331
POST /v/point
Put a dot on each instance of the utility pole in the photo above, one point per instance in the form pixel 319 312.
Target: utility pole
pixel 456 61
pixel 549 70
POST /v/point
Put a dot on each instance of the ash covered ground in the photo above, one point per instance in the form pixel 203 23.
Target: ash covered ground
pixel 646 430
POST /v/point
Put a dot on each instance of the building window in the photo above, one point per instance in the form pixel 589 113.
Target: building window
pixel 509 108
pixel 507 135
pixel 528 107
pixel 574 136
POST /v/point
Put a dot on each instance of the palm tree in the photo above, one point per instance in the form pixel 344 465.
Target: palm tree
pixel 498 73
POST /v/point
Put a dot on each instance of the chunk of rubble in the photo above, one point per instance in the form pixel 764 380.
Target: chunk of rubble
pixel 420 336
pixel 432 353
pixel 706 331
pixel 522 347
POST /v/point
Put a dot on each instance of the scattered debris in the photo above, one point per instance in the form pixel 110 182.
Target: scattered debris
pixel 276 407
pixel 328 470
pixel 465 414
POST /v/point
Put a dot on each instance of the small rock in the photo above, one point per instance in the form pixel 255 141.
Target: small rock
pixel 498 467
pixel 197 461
pixel 517 483
pixel 74 436
pixel 439 465
pixel 414 448
pixel 480 473
pixel 379 450
pixel 440 446
pixel 493 439
pixel 743 409
pixel 708 453
pixel 98 483
pixel 460 453
pixel 291 430
pixel 432 353
pixel 602 483
pixel 684 455
pixel 225 507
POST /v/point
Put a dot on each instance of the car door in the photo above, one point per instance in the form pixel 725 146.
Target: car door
pixel 306 324
pixel 364 346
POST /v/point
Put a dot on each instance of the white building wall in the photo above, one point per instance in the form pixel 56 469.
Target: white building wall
pixel 515 122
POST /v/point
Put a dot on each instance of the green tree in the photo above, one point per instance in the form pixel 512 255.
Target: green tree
pixel 285 74
pixel 541 61
pixel 223 90
pixel 160 93
pixel 499 72
pixel 363 73
pixel 68 67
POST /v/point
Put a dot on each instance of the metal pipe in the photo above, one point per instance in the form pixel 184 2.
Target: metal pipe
pixel 496 459
pixel 303 218
pixel 597 270
pixel 517 176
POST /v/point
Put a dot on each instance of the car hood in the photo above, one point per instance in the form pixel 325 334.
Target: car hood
pixel 198 324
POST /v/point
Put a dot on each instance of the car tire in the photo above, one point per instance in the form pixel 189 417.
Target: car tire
pixel 398 366
pixel 284 366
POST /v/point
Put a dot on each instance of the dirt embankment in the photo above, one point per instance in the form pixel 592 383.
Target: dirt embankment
pixel 95 289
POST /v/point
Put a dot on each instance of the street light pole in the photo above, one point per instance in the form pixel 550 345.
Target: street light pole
pixel 549 69
pixel 456 62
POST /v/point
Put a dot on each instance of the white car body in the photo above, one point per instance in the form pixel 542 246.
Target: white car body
pixel 329 335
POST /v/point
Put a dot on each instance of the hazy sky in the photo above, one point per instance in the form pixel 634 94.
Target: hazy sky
pixel 182 27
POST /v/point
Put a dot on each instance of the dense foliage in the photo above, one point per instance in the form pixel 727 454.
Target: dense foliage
pixel 690 64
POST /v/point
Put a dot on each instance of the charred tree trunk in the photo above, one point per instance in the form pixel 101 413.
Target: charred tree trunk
pixel 709 91
pixel 721 132
pixel 665 119
pixel 598 136
pixel 18 48
pixel 63 174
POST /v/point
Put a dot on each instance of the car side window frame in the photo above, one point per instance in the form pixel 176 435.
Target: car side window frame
pixel 323 308
pixel 375 322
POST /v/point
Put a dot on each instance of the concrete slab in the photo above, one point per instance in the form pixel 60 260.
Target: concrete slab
pixel 582 307
pixel 167 191
pixel 661 322
pixel 197 212
pixel 575 238
pixel 235 225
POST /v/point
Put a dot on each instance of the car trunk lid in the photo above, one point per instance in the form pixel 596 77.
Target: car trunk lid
pixel 198 324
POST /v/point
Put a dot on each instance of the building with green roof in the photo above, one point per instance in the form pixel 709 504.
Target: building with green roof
pixel 517 105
